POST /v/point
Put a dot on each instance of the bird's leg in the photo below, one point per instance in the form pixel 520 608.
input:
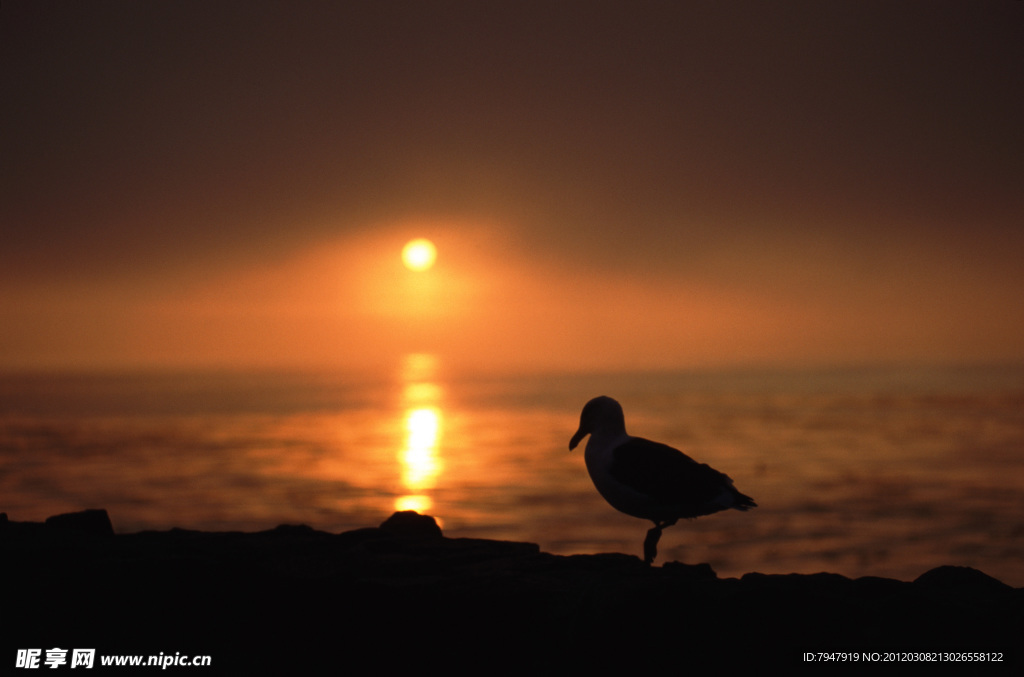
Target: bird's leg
pixel 653 536
pixel 651 543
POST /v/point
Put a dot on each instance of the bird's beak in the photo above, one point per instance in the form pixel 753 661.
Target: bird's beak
pixel 580 434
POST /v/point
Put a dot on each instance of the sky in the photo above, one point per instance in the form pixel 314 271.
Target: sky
pixel 609 184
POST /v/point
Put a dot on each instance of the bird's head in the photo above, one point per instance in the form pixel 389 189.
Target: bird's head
pixel 601 414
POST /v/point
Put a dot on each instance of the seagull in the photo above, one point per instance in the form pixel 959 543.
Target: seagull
pixel 648 479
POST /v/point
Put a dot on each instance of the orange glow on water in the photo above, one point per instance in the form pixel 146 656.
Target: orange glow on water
pixel 418 503
pixel 420 460
pixel 420 464
pixel 417 370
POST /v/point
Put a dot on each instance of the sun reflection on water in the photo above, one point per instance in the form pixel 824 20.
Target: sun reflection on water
pixel 420 464
pixel 419 458
pixel 420 503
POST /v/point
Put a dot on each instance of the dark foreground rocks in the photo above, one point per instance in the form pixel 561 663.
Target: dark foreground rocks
pixel 293 600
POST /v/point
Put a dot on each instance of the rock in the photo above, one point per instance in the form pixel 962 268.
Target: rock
pixel 698 572
pixel 95 522
pixel 960 578
pixel 406 594
pixel 411 525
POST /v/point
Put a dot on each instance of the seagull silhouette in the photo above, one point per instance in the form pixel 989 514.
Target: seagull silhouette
pixel 648 479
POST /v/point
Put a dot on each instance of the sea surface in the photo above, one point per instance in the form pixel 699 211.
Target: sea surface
pixel 874 471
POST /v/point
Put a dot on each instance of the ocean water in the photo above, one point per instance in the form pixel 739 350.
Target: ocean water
pixel 881 471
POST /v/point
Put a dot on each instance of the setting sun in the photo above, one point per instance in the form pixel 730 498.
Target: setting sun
pixel 419 254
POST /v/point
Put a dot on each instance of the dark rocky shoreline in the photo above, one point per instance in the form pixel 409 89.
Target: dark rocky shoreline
pixel 300 601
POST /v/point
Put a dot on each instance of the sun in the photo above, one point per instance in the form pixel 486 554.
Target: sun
pixel 419 254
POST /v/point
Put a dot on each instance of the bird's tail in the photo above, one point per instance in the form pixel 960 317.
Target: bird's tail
pixel 743 502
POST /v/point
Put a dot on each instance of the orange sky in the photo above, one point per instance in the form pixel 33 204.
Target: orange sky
pixel 614 185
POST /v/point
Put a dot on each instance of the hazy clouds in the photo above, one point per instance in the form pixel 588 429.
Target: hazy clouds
pixel 824 164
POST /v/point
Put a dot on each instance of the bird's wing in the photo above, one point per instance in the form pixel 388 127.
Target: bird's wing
pixel 666 474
